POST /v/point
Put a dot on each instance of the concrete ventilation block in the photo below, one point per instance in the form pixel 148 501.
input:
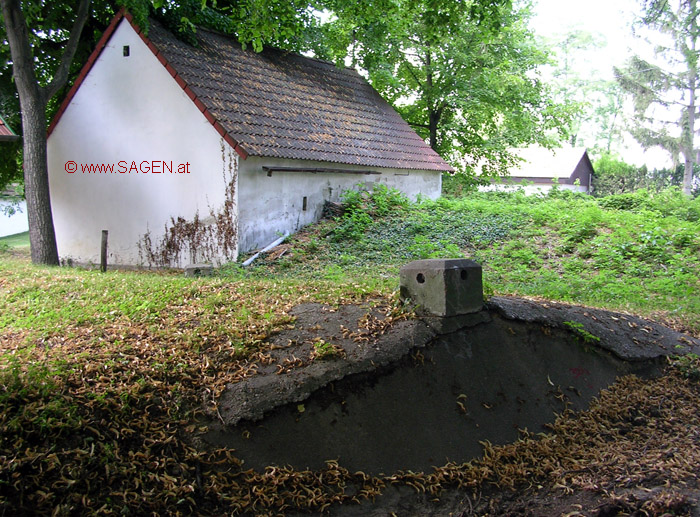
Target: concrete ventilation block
pixel 199 270
pixel 443 287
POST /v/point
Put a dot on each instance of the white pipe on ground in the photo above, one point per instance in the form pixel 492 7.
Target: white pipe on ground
pixel 265 249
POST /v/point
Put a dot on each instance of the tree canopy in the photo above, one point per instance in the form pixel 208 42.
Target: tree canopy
pixel 463 74
pixel 578 82
pixel 664 89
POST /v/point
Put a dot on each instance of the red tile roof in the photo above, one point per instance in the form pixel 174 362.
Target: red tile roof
pixel 283 105
pixel 278 104
pixel 6 133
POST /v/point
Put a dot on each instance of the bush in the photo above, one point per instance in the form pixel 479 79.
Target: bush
pixel 361 206
pixel 670 202
pixel 613 176
pixel 459 184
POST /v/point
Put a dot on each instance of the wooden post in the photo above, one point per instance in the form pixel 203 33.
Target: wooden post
pixel 103 254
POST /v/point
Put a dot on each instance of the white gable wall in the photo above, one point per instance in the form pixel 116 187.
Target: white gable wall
pixel 270 206
pixel 130 109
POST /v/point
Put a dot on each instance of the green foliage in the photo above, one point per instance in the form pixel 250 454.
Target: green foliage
pixel 324 350
pixel 688 365
pixel 473 86
pixel 257 23
pixel 614 176
pixel 664 89
pixel 424 248
pixel 48 300
pixel 353 226
pixel 641 255
pixel 582 333
pixel 382 228
pixel 459 184
pixel 361 206
pixel 668 203
pixel 19 240
pixel 10 152
pixel 576 80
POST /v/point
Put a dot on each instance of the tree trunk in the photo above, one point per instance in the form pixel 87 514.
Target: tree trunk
pixel 33 99
pixel 692 84
pixel 42 237
pixel 433 120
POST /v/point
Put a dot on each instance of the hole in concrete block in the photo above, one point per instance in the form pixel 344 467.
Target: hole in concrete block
pixel 125 50
pixel 303 205
pixel 420 278
pixel 463 274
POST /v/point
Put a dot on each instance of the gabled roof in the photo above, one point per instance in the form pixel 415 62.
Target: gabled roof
pixel 277 104
pixel 539 162
pixel 6 133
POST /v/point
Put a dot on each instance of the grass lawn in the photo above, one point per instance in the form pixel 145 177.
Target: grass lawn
pixel 106 378
pixel 18 240
pixel 637 253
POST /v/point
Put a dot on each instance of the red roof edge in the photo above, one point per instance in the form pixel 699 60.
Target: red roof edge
pixel 6 132
pixel 161 58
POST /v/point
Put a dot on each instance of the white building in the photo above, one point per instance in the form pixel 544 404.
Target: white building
pixel 194 154
pixel 539 169
pixel 13 217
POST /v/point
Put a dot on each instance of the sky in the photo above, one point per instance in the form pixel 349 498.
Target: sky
pixel 612 19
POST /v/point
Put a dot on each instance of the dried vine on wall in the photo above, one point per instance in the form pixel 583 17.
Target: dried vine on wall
pixel 214 239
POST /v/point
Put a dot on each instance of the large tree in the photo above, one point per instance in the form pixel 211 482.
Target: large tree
pixel 462 73
pixel 576 79
pixel 664 89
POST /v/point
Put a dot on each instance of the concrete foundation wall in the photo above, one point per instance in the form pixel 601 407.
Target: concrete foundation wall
pixel 532 188
pixel 15 223
pixel 270 206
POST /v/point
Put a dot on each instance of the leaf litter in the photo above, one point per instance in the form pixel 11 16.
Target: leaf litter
pixel 105 419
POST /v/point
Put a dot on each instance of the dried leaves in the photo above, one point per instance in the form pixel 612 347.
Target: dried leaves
pixel 105 419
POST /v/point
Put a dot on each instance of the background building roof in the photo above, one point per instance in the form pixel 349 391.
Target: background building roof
pixel 539 162
pixel 6 133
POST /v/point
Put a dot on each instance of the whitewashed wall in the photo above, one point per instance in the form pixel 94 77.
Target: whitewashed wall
pixel 531 189
pixel 270 206
pixel 15 223
pixel 130 109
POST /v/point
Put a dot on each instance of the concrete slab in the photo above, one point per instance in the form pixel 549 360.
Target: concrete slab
pixel 194 270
